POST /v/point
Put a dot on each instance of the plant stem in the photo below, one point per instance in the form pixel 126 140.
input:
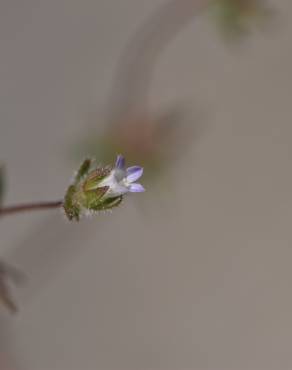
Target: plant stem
pixel 29 207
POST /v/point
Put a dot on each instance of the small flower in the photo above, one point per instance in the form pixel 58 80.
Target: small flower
pixel 100 188
pixel 121 179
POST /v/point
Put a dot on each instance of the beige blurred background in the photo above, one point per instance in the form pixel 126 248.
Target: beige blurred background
pixel 195 274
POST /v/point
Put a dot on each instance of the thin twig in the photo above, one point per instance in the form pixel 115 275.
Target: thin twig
pixel 29 207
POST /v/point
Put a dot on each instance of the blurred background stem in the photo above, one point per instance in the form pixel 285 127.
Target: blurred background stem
pixel 130 90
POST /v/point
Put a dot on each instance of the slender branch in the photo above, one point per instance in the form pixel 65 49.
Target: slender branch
pixel 29 207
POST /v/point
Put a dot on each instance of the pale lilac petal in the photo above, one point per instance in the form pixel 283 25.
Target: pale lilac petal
pixel 116 190
pixel 119 174
pixel 136 188
pixel 120 162
pixel 134 173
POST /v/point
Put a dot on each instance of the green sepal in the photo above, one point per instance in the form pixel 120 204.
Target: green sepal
pixel 72 211
pixel 93 198
pixel 83 170
pixel 108 203
pixel 95 177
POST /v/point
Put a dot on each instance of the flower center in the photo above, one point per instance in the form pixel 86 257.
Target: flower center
pixel 119 174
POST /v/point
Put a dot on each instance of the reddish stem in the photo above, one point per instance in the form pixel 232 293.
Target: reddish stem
pixel 29 207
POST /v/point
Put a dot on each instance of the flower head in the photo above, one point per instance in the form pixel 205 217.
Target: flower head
pixel 100 188
pixel 121 179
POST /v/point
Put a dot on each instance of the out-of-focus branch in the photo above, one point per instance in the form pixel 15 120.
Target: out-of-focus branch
pixel 130 89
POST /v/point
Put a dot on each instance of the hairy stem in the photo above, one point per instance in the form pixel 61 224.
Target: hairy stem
pixel 8 210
